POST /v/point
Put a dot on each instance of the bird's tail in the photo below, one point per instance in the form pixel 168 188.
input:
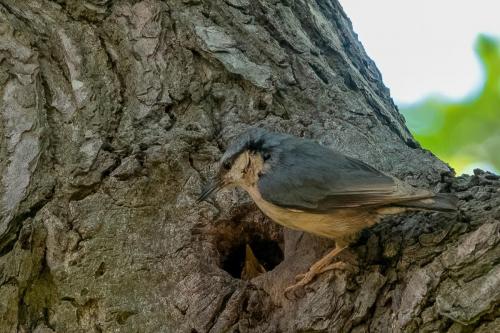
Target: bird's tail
pixel 442 202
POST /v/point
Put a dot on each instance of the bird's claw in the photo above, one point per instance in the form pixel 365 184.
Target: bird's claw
pixel 305 278
pixel 300 276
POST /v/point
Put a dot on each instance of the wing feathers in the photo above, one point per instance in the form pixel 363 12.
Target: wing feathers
pixel 307 176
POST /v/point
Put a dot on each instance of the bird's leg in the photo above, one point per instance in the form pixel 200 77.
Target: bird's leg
pixel 321 266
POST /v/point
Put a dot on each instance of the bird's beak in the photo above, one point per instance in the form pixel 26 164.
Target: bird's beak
pixel 213 186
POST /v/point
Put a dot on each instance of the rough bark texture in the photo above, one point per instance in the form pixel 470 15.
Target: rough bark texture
pixel 111 112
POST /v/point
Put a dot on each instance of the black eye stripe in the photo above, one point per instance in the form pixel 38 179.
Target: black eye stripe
pixel 226 165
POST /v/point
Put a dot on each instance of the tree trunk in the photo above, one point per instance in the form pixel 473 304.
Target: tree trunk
pixel 112 113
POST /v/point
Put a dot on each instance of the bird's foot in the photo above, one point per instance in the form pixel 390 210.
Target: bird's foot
pixel 340 265
pixel 305 278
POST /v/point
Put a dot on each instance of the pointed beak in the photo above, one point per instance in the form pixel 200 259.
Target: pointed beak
pixel 213 186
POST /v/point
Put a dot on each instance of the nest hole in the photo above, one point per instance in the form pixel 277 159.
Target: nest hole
pixel 268 253
pixel 247 227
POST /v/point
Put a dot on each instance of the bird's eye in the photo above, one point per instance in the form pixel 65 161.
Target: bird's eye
pixel 266 156
pixel 226 165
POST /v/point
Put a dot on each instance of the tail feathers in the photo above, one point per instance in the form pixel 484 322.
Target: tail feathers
pixel 441 202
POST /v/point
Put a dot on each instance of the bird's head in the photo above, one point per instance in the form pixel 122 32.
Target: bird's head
pixel 242 163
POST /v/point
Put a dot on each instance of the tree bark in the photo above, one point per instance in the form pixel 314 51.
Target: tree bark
pixel 112 113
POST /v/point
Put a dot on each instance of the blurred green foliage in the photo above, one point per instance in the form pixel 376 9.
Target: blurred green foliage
pixel 468 131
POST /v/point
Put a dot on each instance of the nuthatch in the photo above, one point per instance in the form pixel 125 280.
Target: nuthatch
pixel 303 185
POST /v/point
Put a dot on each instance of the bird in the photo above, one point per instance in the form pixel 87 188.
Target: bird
pixel 252 267
pixel 306 186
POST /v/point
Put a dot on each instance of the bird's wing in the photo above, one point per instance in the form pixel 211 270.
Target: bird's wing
pixel 309 177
